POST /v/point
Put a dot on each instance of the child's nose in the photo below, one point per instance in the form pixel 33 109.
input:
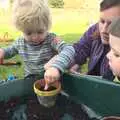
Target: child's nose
pixel 34 36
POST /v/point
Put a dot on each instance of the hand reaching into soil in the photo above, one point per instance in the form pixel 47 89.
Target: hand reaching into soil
pixel 51 75
pixel 1 56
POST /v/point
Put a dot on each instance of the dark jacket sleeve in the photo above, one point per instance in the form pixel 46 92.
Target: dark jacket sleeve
pixel 83 46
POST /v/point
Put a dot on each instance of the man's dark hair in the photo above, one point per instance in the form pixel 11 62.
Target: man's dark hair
pixel 114 28
pixel 106 4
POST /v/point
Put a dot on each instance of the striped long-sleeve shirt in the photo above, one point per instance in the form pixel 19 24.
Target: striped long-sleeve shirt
pixel 35 56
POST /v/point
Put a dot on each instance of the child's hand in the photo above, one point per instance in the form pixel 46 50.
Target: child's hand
pixel 51 75
pixel 1 56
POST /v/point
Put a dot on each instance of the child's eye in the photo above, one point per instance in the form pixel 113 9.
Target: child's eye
pixel 116 55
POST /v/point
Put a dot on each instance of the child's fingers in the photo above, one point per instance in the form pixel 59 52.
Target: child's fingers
pixel 46 87
pixel 50 79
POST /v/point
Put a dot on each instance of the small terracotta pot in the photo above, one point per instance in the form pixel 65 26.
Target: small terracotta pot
pixel 46 98
pixel 111 118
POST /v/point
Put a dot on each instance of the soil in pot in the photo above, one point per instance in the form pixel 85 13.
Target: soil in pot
pixel 50 88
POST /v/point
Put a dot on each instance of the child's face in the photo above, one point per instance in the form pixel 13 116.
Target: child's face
pixel 36 37
pixel 114 55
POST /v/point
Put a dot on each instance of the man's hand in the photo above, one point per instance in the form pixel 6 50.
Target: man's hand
pixel 74 69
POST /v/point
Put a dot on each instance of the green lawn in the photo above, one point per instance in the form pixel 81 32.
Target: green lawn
pixel 69 24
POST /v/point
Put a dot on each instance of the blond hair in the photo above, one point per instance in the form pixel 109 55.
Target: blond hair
pixel 31 15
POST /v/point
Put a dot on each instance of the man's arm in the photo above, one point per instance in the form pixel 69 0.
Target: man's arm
pixel 83 46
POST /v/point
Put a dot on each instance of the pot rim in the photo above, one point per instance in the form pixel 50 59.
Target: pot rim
pixel 46 93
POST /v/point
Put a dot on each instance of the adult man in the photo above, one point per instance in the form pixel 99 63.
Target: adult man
pixel 94 44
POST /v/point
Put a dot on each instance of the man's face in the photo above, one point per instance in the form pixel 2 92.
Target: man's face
pixel 114 55
pixel 106 17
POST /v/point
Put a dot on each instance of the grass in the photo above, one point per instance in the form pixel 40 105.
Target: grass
pixel 5 71
pixel 68 24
